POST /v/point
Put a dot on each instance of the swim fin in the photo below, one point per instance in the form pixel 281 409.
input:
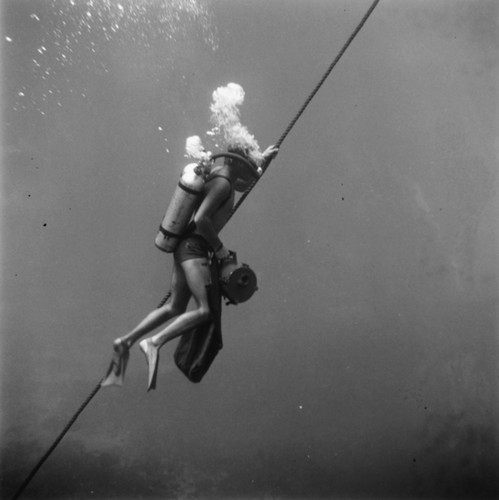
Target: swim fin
pixel 152 357
pixel 116 371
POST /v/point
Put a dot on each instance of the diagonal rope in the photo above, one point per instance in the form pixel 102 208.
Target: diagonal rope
pixel 306 103
pixel 57 441
pixel 238 204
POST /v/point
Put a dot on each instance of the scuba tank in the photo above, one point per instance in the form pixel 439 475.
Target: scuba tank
pixel 184 201
pixel 238 282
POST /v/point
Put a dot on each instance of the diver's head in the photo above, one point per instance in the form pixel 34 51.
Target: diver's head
pixel 245 169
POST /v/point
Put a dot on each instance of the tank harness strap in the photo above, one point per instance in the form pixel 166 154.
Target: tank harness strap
pixel 188 189
pixel 167 233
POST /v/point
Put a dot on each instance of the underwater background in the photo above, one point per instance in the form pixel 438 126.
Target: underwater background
pixel 366 365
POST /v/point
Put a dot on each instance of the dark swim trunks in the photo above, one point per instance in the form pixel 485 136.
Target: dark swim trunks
pixel 192 247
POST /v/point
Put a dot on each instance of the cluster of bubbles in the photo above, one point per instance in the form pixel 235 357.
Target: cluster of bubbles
pixel 194 149
pixel 73 34
pixel 141 20
pixel 227 127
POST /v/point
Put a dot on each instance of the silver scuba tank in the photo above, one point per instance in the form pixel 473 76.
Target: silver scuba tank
pixel 184 202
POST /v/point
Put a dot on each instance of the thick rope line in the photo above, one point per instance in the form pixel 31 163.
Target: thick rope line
pixel 238 204
pixel 164 300
pixel 307 102
pixel 57 441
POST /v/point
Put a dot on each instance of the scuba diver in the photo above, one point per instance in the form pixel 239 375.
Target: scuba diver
pixel 194 254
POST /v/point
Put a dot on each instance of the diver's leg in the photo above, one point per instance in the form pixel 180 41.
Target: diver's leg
pixel 175 306
pixel 198 276
pixel 121 346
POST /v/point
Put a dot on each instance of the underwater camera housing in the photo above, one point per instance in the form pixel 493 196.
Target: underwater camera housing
pixel 238 281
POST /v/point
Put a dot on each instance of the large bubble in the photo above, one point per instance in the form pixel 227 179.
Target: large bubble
pixel 194 149
pixel 227 127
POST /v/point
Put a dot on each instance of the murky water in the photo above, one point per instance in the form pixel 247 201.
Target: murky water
pixel 366 364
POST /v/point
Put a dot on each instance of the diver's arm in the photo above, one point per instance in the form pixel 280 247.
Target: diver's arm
pixel 216 194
